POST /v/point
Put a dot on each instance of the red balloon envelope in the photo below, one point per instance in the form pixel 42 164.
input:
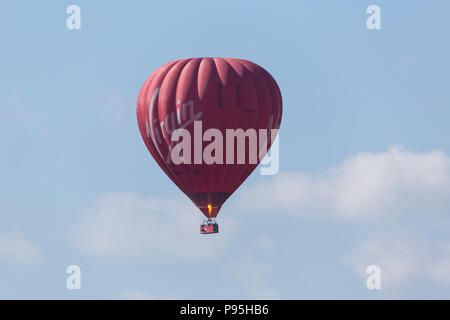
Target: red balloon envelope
pixel 221 93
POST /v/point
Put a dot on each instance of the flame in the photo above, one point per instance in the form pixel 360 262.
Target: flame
pixel 209 209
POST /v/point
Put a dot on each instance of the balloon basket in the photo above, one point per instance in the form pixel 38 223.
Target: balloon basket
pixel 209 226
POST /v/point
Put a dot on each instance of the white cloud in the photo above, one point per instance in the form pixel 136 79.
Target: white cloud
pixel 366 185
pixel 129 225
pixel 398 183
pixel 17 250
pixel 411 187
pixel 398 257
pixel 405 259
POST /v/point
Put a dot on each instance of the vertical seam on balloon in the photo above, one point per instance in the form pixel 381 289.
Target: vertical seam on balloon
pixel 219 85
pixel 273 85
pixel 193 185
pixel 219 89
pixel 240 171
pixel 224 167
pixel 252 167
pixel 185 180
pixel 269 94
pixel 221 184
pixel 204 112
pixel 159 160
pixel 176 177
pixel 226 175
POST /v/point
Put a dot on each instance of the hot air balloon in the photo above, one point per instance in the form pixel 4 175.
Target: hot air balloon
pixel 221 96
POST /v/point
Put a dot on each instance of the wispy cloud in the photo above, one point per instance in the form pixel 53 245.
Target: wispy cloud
pixel 16 249
pixel 406 260
pixel 129 225
pixel 371 190
pixel 364 186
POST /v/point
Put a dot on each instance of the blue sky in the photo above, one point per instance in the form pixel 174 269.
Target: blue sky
pixel 364 153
